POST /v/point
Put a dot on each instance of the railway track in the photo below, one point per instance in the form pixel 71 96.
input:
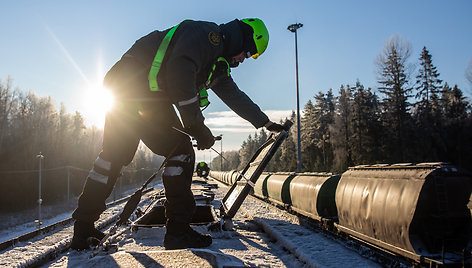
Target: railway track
pixel 19 251
pixel 51 243
pixel 26 251
pixel 46 244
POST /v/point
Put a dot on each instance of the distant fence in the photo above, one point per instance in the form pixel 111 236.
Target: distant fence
pixel 20 189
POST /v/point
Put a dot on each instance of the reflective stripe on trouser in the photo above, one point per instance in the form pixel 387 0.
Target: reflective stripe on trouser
pixel 122 133
pixel 100 171
pixel 92 200
pixel 98 186
pixel 177 179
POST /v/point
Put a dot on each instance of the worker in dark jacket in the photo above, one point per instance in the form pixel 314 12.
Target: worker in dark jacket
pixel 202 169
pixel 161 70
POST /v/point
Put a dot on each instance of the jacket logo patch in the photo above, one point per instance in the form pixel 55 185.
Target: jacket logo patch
pixel 214 38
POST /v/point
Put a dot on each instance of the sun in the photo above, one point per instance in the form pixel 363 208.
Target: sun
pixel 97 101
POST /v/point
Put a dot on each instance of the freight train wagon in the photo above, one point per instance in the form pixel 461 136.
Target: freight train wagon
pixel 413 210
pixel 417 211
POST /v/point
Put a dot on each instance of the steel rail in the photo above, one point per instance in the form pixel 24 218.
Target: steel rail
pixel 49 228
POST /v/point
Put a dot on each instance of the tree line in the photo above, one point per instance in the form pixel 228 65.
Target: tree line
pixel 30 125
pixel 413 116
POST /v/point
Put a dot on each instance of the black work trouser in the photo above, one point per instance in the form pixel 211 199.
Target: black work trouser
pixel 152 122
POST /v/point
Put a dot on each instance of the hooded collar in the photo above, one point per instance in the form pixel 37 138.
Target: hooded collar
pixel 232 39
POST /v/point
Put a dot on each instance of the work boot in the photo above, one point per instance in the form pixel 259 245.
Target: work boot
pixel 83 231
pixel 187 238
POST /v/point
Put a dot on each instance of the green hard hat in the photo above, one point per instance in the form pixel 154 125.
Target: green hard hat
pixel 261 35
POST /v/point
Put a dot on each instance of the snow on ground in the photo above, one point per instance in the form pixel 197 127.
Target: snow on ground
pixel 17 230
pixel 27 253
pixel 310 246
pixel 264 236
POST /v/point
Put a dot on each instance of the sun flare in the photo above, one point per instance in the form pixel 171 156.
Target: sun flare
pixel 97 102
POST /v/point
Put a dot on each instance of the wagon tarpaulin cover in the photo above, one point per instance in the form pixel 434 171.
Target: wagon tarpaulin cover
pixel 418 208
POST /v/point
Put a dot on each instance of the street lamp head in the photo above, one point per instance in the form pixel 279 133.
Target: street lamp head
pixel 293 28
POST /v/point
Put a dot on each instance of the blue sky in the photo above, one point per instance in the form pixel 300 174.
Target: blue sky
pixel 63 48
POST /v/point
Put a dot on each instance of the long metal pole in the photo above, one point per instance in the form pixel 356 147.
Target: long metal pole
pixel 40 201
pixel 293 28
pixel 211 160
pixel 221 150
pixel 299 166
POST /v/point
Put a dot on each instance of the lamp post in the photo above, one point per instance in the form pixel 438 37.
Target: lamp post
pixel 293 28
pixel 210 161
pixel 40 201
pixel 220 138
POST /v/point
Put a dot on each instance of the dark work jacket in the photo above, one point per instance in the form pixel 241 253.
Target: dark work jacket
pixel 186 66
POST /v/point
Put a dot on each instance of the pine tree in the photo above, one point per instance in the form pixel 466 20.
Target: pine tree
pixel 457 125
pixel 341 130
pixel 425 115
pixel 455 104
pixel 245 152
pixel 323 116
pixel 308 137
pixel 250 146
pixel 328 119
pixel 393 80
pixel 365 126
pixel 232 160
pixel 428 83
pixel 262 138
pixel 288 150
pixel 274 163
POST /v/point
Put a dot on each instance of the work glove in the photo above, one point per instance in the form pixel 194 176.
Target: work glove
pixel 203 135
pixel 274 127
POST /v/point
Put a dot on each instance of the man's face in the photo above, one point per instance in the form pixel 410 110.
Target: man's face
pixel 236 60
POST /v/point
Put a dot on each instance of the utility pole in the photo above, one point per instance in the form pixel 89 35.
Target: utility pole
pixel 293 28
pixel 220 138
pixel 40 201
pixel 211 160
pixel 221 151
